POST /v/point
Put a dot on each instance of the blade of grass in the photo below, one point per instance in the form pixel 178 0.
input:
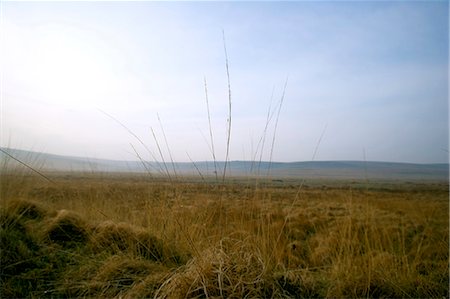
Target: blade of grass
pixel 167 145
pixel 198 170
pixel 161 155
pixel 262 140
pixel 27 166
pixel 276 126
pixel 210 131
pixel 132 134
pixel 142 160
pixel 229 108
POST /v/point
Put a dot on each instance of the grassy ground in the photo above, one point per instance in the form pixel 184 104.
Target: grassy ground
pixel 130 236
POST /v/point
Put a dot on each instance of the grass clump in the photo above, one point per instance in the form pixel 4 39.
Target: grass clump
pixel 25 210
pixel 19 256
pixel 231 270
pixel 48 253
pixel 19 248
pixel 29 267
pixel 106 275
pixel 125 238
pixel 67 229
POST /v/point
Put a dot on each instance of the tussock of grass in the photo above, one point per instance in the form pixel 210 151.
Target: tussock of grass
pixel 231 269
pixel 26 209
pixel 29 266
pixel 235 268
pixel 120 274
pixel 47 253
pixel 67 229
pixel 107 275
pixel 125 238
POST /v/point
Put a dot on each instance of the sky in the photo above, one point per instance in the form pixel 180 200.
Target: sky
pixel 361 80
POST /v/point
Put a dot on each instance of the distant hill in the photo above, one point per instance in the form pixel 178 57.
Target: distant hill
pixel 310 169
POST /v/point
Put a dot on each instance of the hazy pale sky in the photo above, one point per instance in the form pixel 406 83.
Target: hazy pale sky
pixel 372 77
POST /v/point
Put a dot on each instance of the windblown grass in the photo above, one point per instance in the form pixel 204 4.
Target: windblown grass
pixel 128 236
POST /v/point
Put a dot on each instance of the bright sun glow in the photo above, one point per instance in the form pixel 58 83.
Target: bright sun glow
pixel 70 71
pixel 373 82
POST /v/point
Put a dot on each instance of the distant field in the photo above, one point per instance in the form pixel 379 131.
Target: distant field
pixel 330 170
pixel 136 236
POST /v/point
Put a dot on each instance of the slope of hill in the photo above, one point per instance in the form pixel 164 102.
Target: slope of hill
pixel 311 169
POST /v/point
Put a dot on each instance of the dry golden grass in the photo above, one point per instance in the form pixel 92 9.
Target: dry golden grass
pixel 129 236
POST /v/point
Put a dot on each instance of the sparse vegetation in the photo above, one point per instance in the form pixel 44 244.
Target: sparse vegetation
pixel 135 237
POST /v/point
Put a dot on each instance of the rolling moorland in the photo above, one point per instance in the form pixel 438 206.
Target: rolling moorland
pixel 310 169
pixel 309 229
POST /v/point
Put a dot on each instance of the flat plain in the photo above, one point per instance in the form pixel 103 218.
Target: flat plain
pixel 134 236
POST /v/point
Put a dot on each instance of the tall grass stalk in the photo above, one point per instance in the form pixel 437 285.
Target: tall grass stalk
pixel 28 166
pixel 134 135
pixel 213 152
pixel 264 133
pixel 229 108
pixel 276 126
pixel 147 170
pixel 196 167
pixel 161 155
pixel 167 146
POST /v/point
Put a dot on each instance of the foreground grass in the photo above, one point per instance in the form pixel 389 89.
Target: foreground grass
pixel 129 236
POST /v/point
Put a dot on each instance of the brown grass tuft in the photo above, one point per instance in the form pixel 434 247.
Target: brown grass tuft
pixel 123 237
pixel 67 229
pixel 232 269
pixel 26 209
pixel 120 274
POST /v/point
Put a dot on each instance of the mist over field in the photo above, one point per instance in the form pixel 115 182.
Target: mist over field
pixel 367 170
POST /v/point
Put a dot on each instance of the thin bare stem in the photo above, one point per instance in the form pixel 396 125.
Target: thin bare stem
pixel 205 139
pixel 210 131
pixel 161 155
pixel 195 165
pixel 167 146
pixel 229 108
pixel 142 160
pixel 27 166
pixel 318 143
pixel 263 137
pixel 132 134
pixel 276 126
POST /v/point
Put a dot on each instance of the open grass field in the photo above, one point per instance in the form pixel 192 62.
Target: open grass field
pixel 130 236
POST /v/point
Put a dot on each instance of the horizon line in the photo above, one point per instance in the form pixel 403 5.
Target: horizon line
pixel 32 152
